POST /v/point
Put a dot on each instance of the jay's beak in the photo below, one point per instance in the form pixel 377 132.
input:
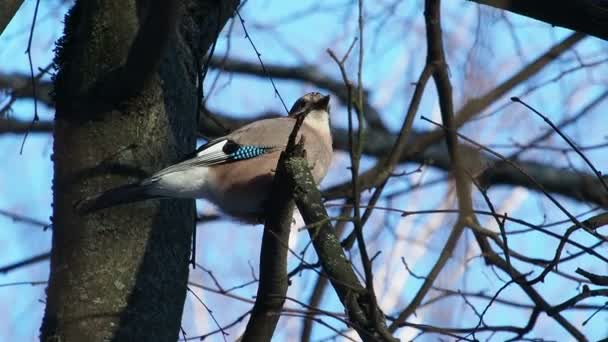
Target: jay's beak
pixel 323 103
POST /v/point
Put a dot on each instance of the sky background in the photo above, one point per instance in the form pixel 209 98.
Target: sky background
pixel 484 48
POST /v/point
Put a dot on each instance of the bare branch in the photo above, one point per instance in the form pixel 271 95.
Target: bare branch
pixel 570 302
pixel 594 278
pixel 339 270
pixel 272 287
pixel 26 262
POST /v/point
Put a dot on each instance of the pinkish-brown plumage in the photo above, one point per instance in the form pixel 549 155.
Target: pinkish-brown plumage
pixel 235 172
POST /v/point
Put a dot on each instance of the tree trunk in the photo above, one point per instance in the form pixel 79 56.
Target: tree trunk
pixel 120 274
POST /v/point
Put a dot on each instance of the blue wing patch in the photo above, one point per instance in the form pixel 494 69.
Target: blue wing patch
pixel 213 153
pixel 225 151
pixel 247 152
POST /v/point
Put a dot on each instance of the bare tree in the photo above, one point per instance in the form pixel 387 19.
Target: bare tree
pixel 127 94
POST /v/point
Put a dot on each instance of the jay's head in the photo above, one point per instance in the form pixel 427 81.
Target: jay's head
pixel 313 104
pixel 316 108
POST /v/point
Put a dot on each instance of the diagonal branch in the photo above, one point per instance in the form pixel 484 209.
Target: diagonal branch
pixel 352 295
pixel 26 262
pixel 8 8
pixel 588 16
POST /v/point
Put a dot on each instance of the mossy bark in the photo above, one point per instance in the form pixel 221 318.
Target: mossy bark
pixel 121 274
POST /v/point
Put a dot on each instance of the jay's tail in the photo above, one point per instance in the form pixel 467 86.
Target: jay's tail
pixel 122 195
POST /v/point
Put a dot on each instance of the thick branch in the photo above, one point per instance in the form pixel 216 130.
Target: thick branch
pixel 326 244
pixel 579 297
pixel 594 278
pixel 306 73
pixel 272 288
pixel 580 186
pixel 8 8
pixel 20 86
pixel 588 16
pixel 21 127
pixel 571 183
pixel 318 291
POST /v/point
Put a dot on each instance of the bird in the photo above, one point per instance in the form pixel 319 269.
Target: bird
pixel 234 172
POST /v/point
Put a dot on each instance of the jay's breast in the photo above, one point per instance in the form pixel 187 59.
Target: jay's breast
pixel 242 187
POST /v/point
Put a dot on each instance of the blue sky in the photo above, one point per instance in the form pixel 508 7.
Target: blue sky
pixel 296 34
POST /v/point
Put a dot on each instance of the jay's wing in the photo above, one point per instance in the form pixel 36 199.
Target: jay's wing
pixel 226 150
pixel 247 142
pixel 219 151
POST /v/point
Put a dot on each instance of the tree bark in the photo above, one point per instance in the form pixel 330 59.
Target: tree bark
pixel 121 274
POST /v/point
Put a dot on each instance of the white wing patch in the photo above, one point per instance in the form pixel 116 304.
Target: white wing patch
pixel 211 155
pixel 207 156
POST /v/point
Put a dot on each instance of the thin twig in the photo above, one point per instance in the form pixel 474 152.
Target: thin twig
pixel 28 51
pixel 599 175
pixel 259 56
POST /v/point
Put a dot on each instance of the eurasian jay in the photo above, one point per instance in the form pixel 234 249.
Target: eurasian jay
pixel 235 171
